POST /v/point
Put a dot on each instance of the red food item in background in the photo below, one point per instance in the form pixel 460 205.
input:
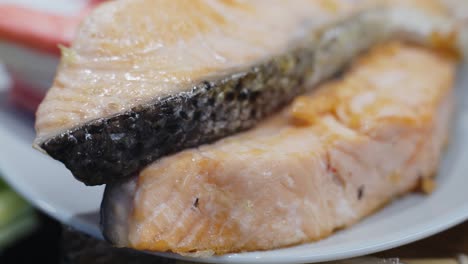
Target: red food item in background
pixel 36 30
pixel 40 32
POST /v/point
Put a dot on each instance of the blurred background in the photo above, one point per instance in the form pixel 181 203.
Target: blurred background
pixel 31 33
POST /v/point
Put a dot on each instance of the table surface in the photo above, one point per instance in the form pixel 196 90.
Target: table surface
pixel 447 244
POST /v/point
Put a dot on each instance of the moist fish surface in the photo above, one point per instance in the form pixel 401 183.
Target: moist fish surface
pixel 147 78
pixel 327 160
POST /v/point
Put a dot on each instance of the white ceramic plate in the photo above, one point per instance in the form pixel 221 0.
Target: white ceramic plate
pixel 48 185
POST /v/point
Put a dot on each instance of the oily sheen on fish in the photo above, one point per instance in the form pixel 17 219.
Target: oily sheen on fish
pixel 147 78
pixel 331 158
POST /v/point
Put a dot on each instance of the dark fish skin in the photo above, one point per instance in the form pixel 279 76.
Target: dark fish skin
pixel 114 148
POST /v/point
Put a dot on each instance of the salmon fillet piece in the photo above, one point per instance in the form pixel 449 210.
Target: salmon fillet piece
pixel 125 42
pixel 325 162
pixel 147 78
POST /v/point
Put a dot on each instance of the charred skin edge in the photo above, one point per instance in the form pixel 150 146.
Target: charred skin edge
pixel 114 148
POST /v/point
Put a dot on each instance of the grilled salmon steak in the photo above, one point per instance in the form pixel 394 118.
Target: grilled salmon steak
pixel 147 78
pixel 327 160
